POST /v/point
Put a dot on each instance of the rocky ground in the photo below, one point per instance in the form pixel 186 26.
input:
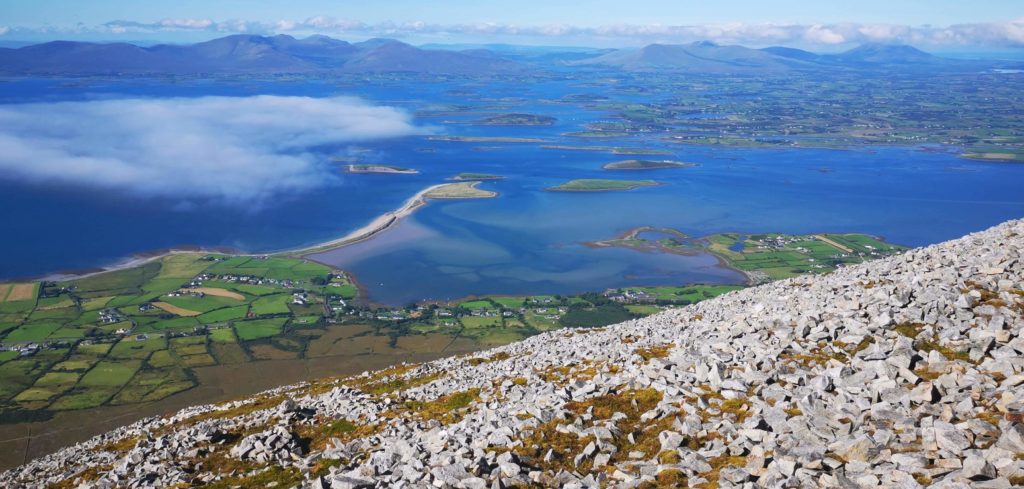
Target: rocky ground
pixel 904 372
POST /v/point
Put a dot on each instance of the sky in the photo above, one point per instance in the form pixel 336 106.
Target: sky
pixel 949 23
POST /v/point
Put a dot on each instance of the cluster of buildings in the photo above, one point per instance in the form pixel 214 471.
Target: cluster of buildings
pixel 110 316
pixel 630 296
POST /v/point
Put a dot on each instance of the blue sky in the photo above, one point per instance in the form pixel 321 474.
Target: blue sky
pixel 600 22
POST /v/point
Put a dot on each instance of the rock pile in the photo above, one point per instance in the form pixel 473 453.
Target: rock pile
pixel 905 372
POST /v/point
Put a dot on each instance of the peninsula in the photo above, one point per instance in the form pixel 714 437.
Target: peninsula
pixel 461 190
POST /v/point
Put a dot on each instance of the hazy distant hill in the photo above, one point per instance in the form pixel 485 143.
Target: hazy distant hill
pixel 708 57
pixel 704 57
pixel 248 54
pixel 889 54
pixel 286 54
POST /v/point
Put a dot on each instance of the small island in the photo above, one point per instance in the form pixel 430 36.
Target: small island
pixel 466 176
pixel 646 165
pixel 518 120
pixel 484 139
pixel 995 157
pixel 601 185
pixel 379 169
pixel 461 190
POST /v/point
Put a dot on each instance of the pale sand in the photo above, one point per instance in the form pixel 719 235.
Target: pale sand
pixel 376 226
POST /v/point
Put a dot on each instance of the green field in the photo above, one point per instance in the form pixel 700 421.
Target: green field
pixel 601 185
pixel 780 256
pixel 270 305
pixel 102 343
pixel 682 295
pixel 259 328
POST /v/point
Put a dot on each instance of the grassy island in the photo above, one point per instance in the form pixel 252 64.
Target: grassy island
pixel 461 190
pixel 379 169
pixel 646 165
pixel 601 185
pixel 995 157
pixel 476 176
pixel 761 257
pixel 518 120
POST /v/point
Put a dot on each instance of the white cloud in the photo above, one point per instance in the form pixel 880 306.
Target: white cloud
pixel 4 30
pixel 817 34
pixel 238 151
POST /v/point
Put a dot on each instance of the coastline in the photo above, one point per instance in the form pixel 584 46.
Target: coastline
pixel 378 225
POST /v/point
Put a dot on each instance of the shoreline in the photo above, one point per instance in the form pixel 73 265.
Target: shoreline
pixel 376 226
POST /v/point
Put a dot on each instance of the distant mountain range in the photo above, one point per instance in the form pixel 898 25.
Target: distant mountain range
pixel 240 54
pixel 249 54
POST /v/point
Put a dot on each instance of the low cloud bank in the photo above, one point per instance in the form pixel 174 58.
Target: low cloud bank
pixel 1004 33
pixel 238 151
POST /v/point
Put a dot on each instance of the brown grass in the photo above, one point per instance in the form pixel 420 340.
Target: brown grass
pixel 717 464
pixel 657 351
pixel 493 358
pixel 445 409
pixel 910 330
pixel 21 292
pixel 399 383
pixel 87 475
pixel 219 293
pixel 173 309
pixel 565 446
pixel 274 476
pixel 319 434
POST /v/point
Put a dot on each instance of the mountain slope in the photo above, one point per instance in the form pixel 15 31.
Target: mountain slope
pixel 247 54
pixel 887 54
pixel 704 57
pixel 901 372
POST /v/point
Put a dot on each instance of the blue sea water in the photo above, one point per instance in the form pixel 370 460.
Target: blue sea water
pixel 527 240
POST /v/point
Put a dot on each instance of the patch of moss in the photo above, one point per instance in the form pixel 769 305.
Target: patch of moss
pixel 565 446
pixel 493 358
pixel 319 434
pixel 657 351
pixel 88 475
pixel 670 478
pixel 446 409
pixel 910 330
pixel 273 476
pixel 717 464
pixel 399 382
